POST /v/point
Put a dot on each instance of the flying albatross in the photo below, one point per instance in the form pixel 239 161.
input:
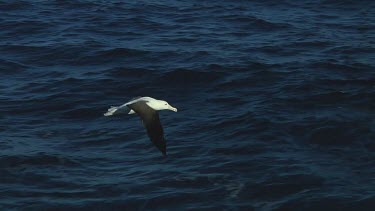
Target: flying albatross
pixel 147 108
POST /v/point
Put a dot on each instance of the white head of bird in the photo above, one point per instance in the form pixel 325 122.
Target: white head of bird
pixel 161 105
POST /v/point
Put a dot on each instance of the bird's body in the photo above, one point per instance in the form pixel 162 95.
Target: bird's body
pixel 147 108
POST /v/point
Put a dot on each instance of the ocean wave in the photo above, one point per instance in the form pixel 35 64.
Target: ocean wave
pixel 335 65
pixel 37 54
pixel 253 78
pixel 82 113
pixel 26 27
pixel 11 67
pixel 277 186
pixel 346 3
pixel 121 52
pixel 127 73
pixel 348 82
pixel 25 49
pixel 332 202
pixel 251 22
pixel 185 77
pixel 40 159
pixel 12 5
pixel 333 135
pixel 351 50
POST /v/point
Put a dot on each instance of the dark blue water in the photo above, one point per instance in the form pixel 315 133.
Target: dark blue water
pixel 276 105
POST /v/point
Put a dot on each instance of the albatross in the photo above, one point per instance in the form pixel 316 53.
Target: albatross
pixel 147 109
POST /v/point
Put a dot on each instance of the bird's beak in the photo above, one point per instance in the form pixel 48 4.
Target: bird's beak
pixel 172 108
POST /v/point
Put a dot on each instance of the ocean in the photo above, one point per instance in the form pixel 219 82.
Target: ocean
pixel 275 99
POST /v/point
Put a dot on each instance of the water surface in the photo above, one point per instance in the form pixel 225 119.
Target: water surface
pixel 276 105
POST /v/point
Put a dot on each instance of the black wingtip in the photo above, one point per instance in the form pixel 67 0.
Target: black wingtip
pixel 162 147
pixel 164 151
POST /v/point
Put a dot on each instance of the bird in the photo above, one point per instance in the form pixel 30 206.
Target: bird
pixel 147 109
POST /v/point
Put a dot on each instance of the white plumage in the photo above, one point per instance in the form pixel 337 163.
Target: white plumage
pixel 153 103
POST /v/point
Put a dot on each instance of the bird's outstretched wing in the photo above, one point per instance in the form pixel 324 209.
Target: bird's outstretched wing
pixel 151 121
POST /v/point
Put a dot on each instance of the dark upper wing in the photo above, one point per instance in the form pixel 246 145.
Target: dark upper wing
pixel 151 121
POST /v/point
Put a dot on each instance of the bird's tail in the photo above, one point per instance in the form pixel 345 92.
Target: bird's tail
pixel 111 111
pixel 114 110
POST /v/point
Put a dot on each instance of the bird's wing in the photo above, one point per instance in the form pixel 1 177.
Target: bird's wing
pixel 151 121
pixel 134 100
